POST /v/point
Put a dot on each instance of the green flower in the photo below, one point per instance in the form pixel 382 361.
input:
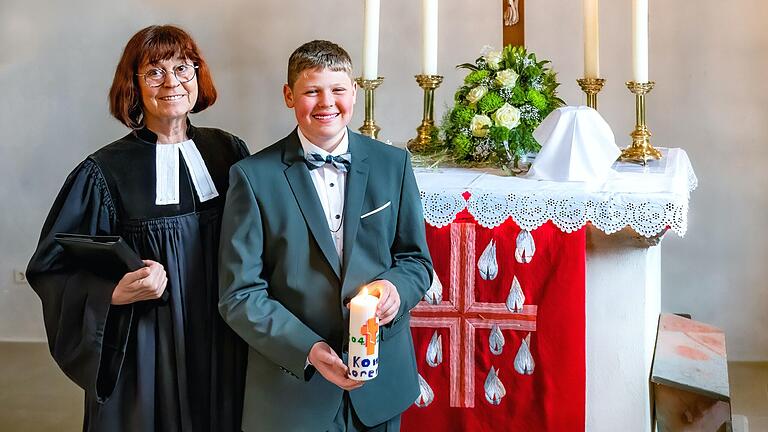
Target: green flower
pixel 490 102
pixel 537 99
pixel 499 133
pixel 476 76
pixel 462 115
pixel 462 146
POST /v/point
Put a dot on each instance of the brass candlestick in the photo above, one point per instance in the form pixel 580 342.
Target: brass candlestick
pixel 427 132
pixel 369 127
pixel 641 149
pixel 591 86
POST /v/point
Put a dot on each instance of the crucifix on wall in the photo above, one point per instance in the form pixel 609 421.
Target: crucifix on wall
pixel 513 22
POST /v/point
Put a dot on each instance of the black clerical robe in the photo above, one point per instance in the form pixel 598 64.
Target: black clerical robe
pixel 160 365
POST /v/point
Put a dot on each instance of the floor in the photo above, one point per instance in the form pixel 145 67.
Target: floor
pixel 749 393
pixel 35 396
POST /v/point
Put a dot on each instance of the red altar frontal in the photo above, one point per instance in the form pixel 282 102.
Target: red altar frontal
pixel 502 341
pixel 500 336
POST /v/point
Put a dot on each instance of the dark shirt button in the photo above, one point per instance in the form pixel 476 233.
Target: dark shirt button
pixel 337 216
pixel 331 185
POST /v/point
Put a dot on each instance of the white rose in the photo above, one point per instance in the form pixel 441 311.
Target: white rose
pixel 493 59
pixel 480 125
pixel 476 94
pixel 507 116
pixel 506 78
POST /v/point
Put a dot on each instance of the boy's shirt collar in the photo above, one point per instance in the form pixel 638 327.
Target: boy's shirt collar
pixel 308 147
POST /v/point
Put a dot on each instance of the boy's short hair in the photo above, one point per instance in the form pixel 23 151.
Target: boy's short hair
pixel 318 54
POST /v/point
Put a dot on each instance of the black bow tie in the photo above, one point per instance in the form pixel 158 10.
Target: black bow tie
pixel 341 162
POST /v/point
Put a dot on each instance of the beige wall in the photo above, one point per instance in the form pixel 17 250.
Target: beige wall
pixel 56 65
pixel 57 58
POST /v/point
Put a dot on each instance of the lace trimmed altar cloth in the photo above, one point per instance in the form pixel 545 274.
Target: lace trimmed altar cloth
pixel 648 199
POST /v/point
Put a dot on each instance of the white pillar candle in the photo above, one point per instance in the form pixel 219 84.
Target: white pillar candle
pixel 363 360
pixel 591 40
pixel 429 46
pixel 640 40
pixel 371 40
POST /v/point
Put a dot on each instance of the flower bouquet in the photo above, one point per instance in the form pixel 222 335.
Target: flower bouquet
pixel 503 99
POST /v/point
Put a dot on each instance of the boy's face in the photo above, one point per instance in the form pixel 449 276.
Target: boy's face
pixel 322 101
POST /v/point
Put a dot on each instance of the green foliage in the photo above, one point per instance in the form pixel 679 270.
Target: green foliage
pixel 461 93
pixel 518 96
pixel 499 133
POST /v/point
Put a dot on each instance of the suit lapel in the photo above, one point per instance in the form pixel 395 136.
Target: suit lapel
pixel 306 196
pixel 357 181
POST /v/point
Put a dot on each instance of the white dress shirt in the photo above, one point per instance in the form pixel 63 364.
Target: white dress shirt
pixel 330 185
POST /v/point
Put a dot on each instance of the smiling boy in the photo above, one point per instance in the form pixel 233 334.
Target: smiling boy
pixel 308 222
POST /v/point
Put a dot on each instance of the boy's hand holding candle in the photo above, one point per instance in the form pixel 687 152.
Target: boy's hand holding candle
pixel 331 367
pixel 389 300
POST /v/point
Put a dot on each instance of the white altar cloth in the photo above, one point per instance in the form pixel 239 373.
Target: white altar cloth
pixel 649 199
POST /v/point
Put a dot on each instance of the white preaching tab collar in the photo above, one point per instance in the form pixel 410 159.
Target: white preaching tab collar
pixel 167 173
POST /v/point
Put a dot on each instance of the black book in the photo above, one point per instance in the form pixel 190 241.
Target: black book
pixel 106 256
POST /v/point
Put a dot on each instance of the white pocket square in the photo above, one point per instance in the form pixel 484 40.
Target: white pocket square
pixel 372 212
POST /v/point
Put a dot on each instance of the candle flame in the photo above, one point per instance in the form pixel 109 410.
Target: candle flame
pixel 364 291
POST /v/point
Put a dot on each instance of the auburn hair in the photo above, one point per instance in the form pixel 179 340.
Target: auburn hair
pixel 152 44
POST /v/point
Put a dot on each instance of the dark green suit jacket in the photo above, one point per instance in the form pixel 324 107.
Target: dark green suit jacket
pixel 283 286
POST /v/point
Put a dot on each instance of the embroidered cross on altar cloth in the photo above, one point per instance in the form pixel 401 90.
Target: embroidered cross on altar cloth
pixel 500 336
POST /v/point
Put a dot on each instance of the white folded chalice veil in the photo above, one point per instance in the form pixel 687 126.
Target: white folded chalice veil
pixel 576 145
pixel 167 173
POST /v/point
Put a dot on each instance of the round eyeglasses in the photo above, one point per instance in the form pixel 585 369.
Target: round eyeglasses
pixel 156 77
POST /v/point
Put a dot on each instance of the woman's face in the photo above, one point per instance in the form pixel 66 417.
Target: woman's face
pixel 171 100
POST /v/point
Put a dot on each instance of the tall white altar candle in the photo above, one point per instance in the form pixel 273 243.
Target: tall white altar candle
pixel 591 40
pixel 640 40
pixel 371 40
pixel 429 46
pixel 363 361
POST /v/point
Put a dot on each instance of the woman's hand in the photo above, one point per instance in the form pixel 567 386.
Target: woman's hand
pixel 147 283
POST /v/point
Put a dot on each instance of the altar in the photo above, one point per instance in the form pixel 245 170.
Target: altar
pixel 571 347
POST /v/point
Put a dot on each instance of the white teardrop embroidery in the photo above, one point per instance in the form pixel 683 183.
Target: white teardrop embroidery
pixel 516 297
pixel 494 388
pixel 525 248
pixel 434 294
pixel 496 340
pixel 487 263
pixel 524 363
pixel 426 396
pixel 435 350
